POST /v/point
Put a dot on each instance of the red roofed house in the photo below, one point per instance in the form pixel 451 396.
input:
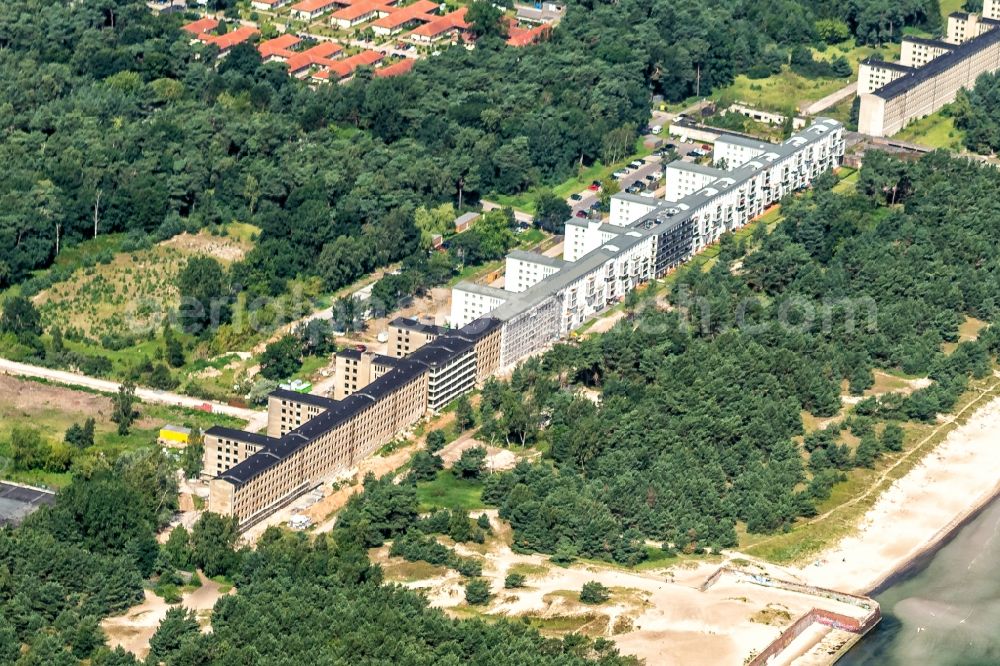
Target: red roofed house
pixel 201 26
pixel 521 37
pixel 320 55
pixel 278 48
pixel 307 10
pixel 230 39
pixel 342 70
pixel 268 5
pixel 421 11
pixel 397 69
pixel 449 25
pixel 361 11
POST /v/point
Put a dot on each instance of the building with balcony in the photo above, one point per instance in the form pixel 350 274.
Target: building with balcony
pixel 545 300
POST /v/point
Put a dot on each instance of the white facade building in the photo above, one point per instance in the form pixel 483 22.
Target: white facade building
pixel 526 269
pixel 627 207
pixel 470 301
pixel 734 151
pixel 684 178
pixel 584 236
pixel 545 301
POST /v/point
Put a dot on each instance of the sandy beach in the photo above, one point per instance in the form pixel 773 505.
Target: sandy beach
pixel 952 482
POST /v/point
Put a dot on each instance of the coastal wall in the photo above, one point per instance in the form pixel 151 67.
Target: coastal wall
pixel 855 625
pixel 819 616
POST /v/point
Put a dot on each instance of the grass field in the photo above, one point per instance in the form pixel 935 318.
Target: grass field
pixel 949 6
pixel 450 492
pixel 112 292
pixel 855 54
pixel 52 409
pixel 935 131
pixel 848 180
pixel 782 92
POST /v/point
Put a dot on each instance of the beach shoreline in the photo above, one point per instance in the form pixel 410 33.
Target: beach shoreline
pixel 936 543
pixel 914 516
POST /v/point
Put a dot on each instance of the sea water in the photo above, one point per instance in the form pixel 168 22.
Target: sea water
pixel 946 610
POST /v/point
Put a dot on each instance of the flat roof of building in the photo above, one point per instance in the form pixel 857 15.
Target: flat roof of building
pixel 356 355
pixel 694 167
pixel 410 324
pixel 938 65
pixel 305 398
pixel 176 428
pixel 536 258
pixel 17 501
pixel 483 290
pixel 633 198
pixel 477 329
pixel 241 435
pixel 936 43
pixel 873 61
pixel 745 141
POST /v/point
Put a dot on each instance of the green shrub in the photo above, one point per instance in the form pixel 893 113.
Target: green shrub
pixel 477 592
pixel 594 593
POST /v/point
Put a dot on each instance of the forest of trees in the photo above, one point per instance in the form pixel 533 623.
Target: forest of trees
pixel 111 124
pixel 86 557
pixel 699 423
pixel 89 555
pixel 977 112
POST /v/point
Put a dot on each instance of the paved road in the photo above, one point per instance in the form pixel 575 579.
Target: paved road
pixel 831 99
pixel 156 396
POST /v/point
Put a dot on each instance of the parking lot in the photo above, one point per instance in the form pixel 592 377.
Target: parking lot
pixel 653 166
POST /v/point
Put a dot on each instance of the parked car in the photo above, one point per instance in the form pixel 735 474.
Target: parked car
pixel 638 183
pixel 621 173
pixel 581 213
pixel 707 148
pixel 595 206
pixel 694 153
pixel 575 197
pixel 594 186
pixel 657 129
pixel 670 146
pixel 652 177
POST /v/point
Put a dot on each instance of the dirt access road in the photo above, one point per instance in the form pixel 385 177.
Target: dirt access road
pixel 155 396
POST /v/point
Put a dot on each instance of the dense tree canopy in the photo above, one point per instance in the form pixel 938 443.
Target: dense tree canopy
pixel 113 122
pixel 699 419
pixel 977 111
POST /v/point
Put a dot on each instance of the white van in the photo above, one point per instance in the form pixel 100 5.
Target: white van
pixel 656 129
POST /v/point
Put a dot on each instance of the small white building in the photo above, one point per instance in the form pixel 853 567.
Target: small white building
pixel 268 5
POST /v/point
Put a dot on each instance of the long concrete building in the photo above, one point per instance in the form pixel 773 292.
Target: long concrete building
pixel 376 396
pixel 929 73
pixel 544 299
pixel 311 437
